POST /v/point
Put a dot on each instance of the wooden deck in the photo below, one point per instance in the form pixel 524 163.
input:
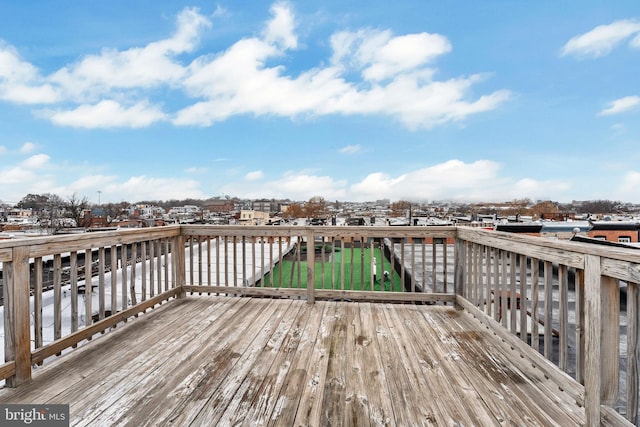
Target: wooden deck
pixel 214 360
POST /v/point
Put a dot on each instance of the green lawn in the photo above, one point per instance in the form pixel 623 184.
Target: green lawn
pixel 356 261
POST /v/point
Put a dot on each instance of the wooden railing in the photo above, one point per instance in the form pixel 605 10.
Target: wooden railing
pixel 412 264
pixel 560 299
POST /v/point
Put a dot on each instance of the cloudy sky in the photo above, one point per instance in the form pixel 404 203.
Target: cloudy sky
pixel 412 99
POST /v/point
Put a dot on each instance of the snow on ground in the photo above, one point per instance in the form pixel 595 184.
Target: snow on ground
pixel 226 277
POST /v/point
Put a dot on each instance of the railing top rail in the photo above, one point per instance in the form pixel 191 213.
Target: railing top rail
pixel 327 231
pixel 617 262
pixel 46 245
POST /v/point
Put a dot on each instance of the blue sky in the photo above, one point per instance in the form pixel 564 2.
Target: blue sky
pixel 420 100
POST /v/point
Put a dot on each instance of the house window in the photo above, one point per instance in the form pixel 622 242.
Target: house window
pixel 600 237
pixel 624 239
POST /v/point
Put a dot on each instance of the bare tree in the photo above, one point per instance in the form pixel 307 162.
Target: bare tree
pixel 76 208
pixel 113 211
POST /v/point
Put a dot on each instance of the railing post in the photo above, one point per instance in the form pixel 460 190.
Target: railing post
pixel 179 263
pixel 592 311
pixel 460 256
pixel 311 258
pixel 17 315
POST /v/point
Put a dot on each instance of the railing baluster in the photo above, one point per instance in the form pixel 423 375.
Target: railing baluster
pixel 200 261
pixel 209 263
pixel 563 302
pixel 101 283
pixel 244 261
pixel 37 303
pixel 493 292
pixel 167 254
pixel 445 263
pixel 123 277
pixel 548 314
pixel 580 325
pixel 434 276
pixel 152 282
pixel 342 256
pixel 523 298
pixel 362 262
pixel 132 280
pixel 633 351
pixel 503 289
pixel 114 279
pixel 535 298
pixel 57 296
pixel 253 261
pixel 262 261
pixel 333 264
pixel 487 296
pixel 512 295
pixel 143 269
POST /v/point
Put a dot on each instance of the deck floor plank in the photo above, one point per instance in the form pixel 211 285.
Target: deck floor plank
pixel 211 343
pixel 143 379
pixel 231 391
pixel 261 384
pixel 69 372
pixel 431 361
pixel 206 375
pixel 464 368
pixel 221 360
pixel 373 371
pixel 310 405
pixel 288 401
pixel 530 395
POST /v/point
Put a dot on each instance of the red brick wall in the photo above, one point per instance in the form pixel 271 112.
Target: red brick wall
pixel 613 235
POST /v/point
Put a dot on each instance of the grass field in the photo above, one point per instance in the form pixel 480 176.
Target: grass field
pixel 352 264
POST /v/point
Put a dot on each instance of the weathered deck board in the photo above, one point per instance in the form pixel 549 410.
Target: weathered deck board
pixel 215 360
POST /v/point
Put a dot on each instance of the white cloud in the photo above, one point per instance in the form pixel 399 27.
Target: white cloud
pixel 294 185
pixel 107 113
pixel 397 79
pixel 27 147
pixel 254 176
pixel 280 29
pixel 602 39
pixel 621 105
pixel 20 82
pixel 31 175
pixel 35 162
pixel 196 170
pixel 451 180
pixel 152 188
pixel 135 68
pixel 629 188
pixel 238 81
pixel 379 55
pixel 350 149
